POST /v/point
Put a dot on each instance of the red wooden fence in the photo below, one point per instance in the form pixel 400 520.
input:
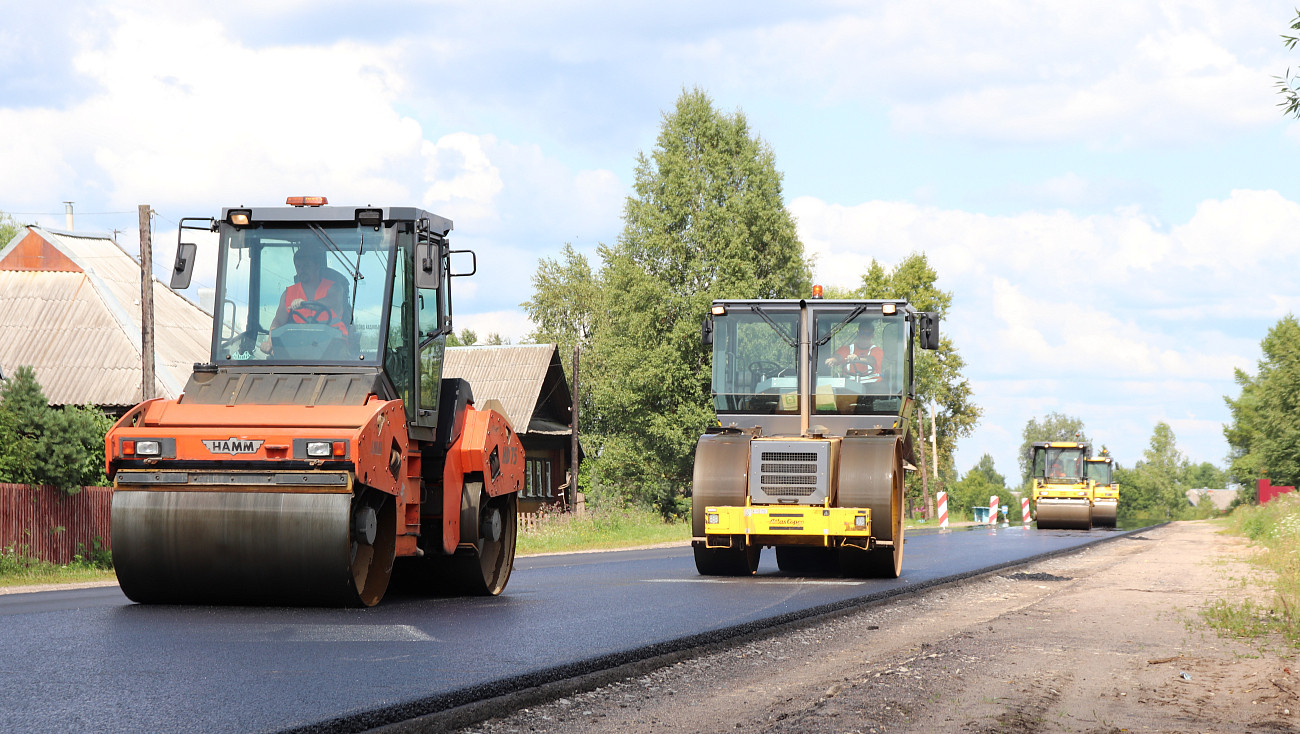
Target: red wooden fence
pixel 45 523
pixel 1268 490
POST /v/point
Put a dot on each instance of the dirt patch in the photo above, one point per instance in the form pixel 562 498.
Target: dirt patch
pixel 1105 640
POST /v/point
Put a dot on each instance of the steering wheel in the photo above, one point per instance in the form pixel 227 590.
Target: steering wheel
pixel 766 367
pixel 312 312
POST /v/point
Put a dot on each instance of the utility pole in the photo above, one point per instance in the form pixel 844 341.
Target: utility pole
pixel 146 306
pixel 573 435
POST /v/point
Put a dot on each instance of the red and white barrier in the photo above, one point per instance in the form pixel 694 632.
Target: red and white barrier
pixel 1024 510
pixel 993 509
pixel 943 509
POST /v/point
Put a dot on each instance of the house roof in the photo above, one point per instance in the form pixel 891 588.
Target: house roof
pixel 72 313
pixel 1221 498
pixel 515 375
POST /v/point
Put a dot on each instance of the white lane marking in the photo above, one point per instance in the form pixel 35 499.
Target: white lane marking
pixel 795 582
pixel 329 633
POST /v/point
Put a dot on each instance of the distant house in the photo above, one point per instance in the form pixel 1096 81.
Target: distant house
pixel 529 382
pixel 70 309
pixel 1219 498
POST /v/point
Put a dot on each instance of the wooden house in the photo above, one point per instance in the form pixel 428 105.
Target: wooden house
pixel 529 382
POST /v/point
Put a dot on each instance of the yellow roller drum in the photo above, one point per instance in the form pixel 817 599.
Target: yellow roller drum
pixel 1064 514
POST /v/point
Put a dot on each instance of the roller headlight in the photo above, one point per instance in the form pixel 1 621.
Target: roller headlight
pixel 318 448
pixel 859 521
pixel 712 519
pixel 148 448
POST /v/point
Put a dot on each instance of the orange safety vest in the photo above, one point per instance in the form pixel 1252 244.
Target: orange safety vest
pixel 296 291
pixel 861 367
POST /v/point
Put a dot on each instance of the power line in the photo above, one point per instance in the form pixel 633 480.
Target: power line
pixel 59 214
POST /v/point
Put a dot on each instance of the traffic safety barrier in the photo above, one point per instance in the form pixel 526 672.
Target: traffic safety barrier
pixel 1024 510
pixel 993 510
pixel 943 509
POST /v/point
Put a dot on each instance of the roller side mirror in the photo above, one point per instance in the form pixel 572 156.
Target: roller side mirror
pixel 927 329
pixel 183 269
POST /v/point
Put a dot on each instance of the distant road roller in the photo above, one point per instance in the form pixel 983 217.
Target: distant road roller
pixel 814 399
pixel 321 447
pixel 1062 494
pixel 1100 473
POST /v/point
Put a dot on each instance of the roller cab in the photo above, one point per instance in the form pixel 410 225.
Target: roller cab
pixel 814 399
pixel 1100 473
pixel 1062 493
pixel 319 453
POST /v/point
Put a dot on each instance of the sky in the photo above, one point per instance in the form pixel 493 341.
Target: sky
pixel 1105 188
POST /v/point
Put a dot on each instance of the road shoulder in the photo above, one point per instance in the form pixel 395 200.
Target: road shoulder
pixel 1103 640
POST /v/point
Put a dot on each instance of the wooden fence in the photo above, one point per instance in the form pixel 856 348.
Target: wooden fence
pixel 45 523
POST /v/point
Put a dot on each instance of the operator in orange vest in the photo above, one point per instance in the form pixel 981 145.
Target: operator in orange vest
pixel 315 297
pixel 860 357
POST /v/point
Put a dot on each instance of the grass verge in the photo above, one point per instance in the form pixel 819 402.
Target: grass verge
pixel 1274 529
pixel 19 569
pixel 598 529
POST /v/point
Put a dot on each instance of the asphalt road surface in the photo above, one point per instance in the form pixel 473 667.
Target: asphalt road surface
pixel 90 660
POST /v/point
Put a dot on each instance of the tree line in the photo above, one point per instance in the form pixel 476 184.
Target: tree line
pixel 1154 489
pixel 705 220
pixel 41 444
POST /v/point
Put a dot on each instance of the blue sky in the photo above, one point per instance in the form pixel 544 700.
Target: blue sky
pixel 1108 190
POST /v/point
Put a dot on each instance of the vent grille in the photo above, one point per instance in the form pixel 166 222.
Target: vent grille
pixel 788 471
pixel 788 456
pixel 808 468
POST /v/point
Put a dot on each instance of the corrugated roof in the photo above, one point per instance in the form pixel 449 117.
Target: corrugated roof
pixel 511 374
pixel 81 331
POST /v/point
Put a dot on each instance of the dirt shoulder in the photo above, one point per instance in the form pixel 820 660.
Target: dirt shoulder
pixel 1105 640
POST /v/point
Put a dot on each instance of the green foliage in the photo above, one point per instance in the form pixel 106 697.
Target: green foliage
pixel 1275 529
pixel 44 445
pixel 1288 82
pixel 565 303
pixel 17 568
pixel 1154 490
pixel 466 338
pixel 9 228
pixel 1264 435
pixel 494 339
pixel 1205 475
pixel 706 220
pixel 1053 427
pixel 974 489
pixel 602 527
pixel 938 372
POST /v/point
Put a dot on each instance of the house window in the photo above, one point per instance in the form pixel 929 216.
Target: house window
pixel 537 479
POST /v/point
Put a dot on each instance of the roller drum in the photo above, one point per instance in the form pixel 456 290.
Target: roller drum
pixel 1063 514
pixel 721 475
pixel 246 547
pixel 1104 513
pixel 871 476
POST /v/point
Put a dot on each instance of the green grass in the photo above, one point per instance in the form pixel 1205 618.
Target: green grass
pixel 599 529
pixel 1274 529
pixel 19 569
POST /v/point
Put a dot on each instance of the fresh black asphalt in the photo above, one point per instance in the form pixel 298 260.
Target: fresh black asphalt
pixel 90 660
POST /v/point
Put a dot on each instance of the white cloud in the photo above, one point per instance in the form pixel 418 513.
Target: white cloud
pixel 1060 312
pixel 512 325
pixel 1101 73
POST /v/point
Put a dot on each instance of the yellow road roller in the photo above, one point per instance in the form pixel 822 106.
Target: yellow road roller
pixel 1100 473
pixel 814 399
pixel 1062 494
